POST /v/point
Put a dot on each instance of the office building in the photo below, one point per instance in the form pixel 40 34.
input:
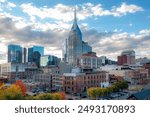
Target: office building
pixel 24 55
pixel 49 60
pixel 86 47
pixel 74 46
pixel 14 53
pixel 35 53
pixel 14 71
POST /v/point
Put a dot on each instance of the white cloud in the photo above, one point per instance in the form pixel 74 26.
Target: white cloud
pixel 15 29
pixel 19 21
pixel 11 5
pixel 124 9
pixel 2 1
pixel 109 44
pixel 59 12
pixel 99 11
pixel 146 31
pixel 65 12
pixel 8 5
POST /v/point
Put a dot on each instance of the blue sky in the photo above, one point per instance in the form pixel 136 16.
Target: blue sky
pixel 110 26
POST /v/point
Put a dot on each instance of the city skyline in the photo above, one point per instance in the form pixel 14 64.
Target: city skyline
pixel 108 27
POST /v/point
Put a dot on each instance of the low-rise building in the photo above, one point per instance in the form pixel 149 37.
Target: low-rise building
pixel 134 76
pixel 57 82
pixel 80 82
pixel 127 57
pixel 43 80
pixel 143 95
pixel 14 71
pixel 89 60
pixel 147 66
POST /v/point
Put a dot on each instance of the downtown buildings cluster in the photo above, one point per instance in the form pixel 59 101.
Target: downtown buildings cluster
pixel 79 69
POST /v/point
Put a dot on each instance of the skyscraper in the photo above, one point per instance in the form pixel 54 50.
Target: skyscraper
pixel 24 56
pixel 74 46
pixel 74 43
pixel 35 53
pixel 14 53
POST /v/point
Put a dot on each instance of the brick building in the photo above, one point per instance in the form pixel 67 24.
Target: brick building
pixel 80 82
pixel 127 57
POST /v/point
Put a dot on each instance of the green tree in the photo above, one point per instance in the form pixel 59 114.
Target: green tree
pixel 56 96
pixel 96 92
pixel 93 92
pixel 106 91
pixel 47 96
pixel 43 96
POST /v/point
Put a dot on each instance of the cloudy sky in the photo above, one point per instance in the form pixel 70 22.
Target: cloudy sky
pixel 110 26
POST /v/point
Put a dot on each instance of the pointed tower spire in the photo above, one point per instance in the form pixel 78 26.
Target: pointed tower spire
pixel 75 26
pixel 75 17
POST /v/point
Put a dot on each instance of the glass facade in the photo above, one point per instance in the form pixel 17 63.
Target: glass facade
pixel 74 46
pixel 48 60
pixel 14 53
pixel 86 48
pixel 35 53
pixel 24 55
pixel 74 49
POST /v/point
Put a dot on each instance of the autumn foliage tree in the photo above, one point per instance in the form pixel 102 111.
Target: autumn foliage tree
pixel 48 96
pixel 62 95
pixel 12 92
pixel 96 92
pixel 93 92
pixel 22 87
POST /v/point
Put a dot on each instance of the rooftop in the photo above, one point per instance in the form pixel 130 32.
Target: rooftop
pixel 143 95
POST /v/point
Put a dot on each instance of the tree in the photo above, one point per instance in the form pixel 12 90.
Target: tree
pixel 92 93
pixel 1 83
pixel 43 96
pixel 116 87
pixel 2 91
pixel 57 96
pixel 95 92
pixel 13 92
pixel 125 85
pixel 62 95
pixel 22 86
pixel 106 91
pixel 120 85
pixel 48 96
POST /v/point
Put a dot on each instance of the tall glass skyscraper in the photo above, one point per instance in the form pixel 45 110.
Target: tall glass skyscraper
pixel 74 46
pixel 35 53
pixel 14 53
pixel 24 56
pixel 74 43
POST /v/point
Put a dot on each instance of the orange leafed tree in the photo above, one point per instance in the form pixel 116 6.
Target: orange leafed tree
pixel 1 83
pixel 63 96
pixel 22 86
